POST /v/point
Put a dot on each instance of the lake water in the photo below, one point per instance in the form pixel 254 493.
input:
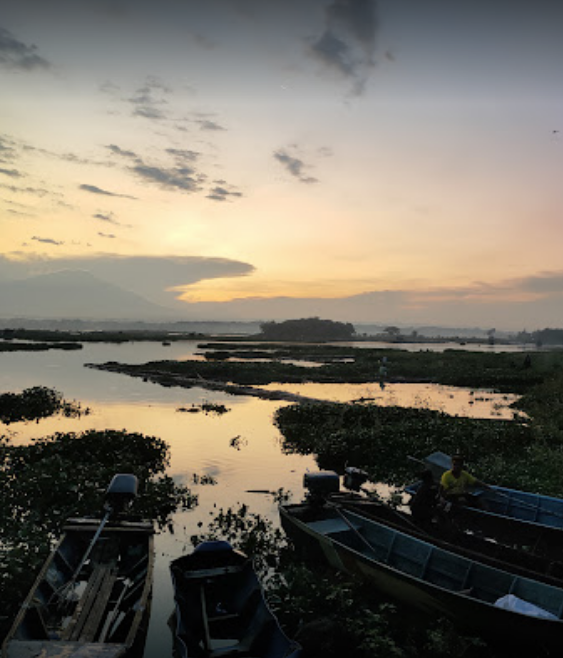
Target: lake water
pixel 199 443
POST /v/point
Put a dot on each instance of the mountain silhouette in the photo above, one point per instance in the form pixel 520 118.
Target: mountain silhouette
pixel 75 294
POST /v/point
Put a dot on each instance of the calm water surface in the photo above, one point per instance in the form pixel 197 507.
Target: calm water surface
pixel 201 444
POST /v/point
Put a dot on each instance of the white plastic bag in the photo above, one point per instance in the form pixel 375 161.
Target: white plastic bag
pixel 514 604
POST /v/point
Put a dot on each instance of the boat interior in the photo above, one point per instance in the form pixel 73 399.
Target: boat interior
pixel 227 615
pixel 431 564
pixel 90 602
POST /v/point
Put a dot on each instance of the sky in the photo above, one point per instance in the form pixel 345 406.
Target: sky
pixel 376 161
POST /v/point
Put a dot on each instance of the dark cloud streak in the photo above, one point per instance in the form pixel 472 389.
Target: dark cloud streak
pixel 348 41
pixel 16 55
pixel 47 240
pixel 294 165
pixel 93 189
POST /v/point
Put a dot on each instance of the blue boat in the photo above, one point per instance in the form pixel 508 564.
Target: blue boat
pixel 519 518
pixel 491 601
pixel 220 609
pixel 518 505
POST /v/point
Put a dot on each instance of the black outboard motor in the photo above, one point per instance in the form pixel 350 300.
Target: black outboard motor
pixel 121 493
pixel 354 478
pixel 320 485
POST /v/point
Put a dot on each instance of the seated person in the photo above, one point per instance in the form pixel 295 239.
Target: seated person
pixel 456 485
pixel 423 503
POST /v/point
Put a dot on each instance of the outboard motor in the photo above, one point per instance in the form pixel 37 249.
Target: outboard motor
pixel 320 485
pixel 121 493
pixel 354 478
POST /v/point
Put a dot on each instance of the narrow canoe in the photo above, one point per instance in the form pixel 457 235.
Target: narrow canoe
pixel 450 537
pixel 405 568
pixel 518 505
pixel 97 610
pixel 220 609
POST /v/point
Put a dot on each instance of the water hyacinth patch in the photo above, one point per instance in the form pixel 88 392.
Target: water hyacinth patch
pixel 66 475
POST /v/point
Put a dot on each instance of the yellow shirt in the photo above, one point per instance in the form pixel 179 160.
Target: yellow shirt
pixel 457 486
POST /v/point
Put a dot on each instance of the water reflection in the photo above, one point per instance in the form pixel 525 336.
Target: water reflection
pixel 471 403
pixel 200 443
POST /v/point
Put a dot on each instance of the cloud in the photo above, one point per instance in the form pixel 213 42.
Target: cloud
pixel 35 191
pixel 13 173
pixel 157 278
pixel 46 240
pixel 7 151
pixel 294 165
pixel 109 218
pixel 220 193
pixel 106 235
pixel 183 177
pixel 148 99
pixel 119 151
pixel 206 124
pixel 16 55
pixel 179 178
pixel 347 44
pixel 543 283
pixel 183 155
pixel 109 87
pixel 93 189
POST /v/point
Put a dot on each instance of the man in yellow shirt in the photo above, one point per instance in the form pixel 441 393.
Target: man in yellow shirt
pixel 456 484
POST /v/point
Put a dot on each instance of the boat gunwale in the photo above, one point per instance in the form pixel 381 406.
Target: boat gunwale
pixel 405 576
pixel 73 529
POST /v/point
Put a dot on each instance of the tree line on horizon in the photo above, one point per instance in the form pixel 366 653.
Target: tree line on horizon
pixel 541 337
pixel 313 329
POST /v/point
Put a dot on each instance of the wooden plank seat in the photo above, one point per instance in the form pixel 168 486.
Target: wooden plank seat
pixel 93 604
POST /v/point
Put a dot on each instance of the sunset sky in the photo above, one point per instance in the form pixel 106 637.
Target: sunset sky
pixel 395 161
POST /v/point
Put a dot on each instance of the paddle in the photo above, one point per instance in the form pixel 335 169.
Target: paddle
pixel 120 493
pixel 351 526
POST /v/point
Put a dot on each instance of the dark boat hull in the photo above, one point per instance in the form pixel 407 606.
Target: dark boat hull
pixel 95 609
pixel 528 521
pixel 448 536
pixel 220 607
pixel 455 587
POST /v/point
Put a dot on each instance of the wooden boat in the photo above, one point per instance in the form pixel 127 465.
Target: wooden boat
pixel 519 518
pixel 519 505
pixel 448 536
pixel 474 595
pixel 92 596
pixel 220 609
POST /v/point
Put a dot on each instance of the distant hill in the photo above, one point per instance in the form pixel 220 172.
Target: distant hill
pixel 75 294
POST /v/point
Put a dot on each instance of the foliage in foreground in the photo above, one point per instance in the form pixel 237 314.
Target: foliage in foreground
pixel 67 475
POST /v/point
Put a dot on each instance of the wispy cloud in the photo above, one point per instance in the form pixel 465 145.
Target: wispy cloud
pixel 294 165
pixel 13 173
pixel 147 101
pixel 221 193
pixel 183 155
pixel 180 178
pixel 347 44
pixel 47 240
pixel 106 235
pixel 93 189
pixel 207 124
pixel 7 150
pixel 16 55
pixel 109 218
pixel 183 176
pixel 35 191
pixel 119 151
